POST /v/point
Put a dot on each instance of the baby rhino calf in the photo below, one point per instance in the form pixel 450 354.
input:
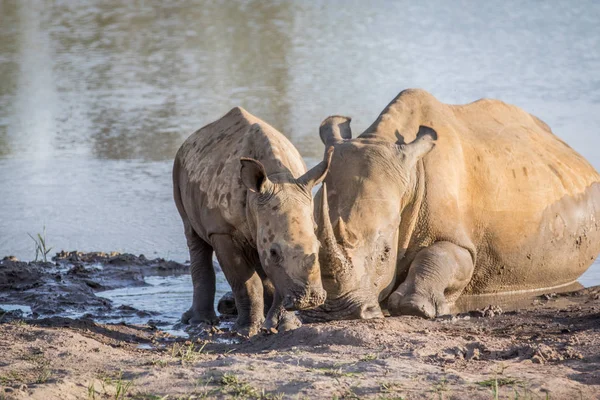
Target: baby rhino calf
pixel 242 191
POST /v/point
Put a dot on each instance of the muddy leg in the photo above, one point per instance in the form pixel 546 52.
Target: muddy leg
pixel 203 281
pixel 268 289
pixel 245 283
pixel 438 273
pixel 227 302
pixel 279 318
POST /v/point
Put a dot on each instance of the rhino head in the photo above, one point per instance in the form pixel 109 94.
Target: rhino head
pixel 281 207
pixel 369 184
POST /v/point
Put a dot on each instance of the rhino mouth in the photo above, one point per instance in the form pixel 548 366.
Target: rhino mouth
pixel 310 298
pixel 349 306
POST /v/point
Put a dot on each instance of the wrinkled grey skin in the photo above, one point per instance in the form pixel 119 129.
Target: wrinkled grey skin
pixel 435 201
pixel 242 191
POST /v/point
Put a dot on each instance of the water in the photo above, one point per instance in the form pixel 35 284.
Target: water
pixel 96 96
pixel 166 297
pixel 26 310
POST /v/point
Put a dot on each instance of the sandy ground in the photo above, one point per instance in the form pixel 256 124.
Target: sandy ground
pixel 549 351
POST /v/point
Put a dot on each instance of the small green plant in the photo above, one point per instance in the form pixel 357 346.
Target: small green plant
pixel 388 387
pixel 43 375
pixel 229 379
pixel 440 387
pixel 369 357
pixel 349 394
pixel 122 387
pixel 522 391
pixel 333 372
pixel 11 378
pixel 91 391
pixel 186 353
pixel 203 390
pixel 42 367
pixel 235 387
pixel 238 387
pixel 160 363
pixel 496 383
pixel 40 245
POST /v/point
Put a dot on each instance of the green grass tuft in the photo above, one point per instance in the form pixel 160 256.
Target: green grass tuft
pixel 41 246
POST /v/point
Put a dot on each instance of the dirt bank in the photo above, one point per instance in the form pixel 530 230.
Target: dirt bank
pixel 549 350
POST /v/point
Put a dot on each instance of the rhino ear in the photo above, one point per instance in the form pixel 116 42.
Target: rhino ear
pixel 316 175
pixel 254 176
pixel 335 129
pixel 423 144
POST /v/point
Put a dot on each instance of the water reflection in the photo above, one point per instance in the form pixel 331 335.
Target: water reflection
pixel 134 80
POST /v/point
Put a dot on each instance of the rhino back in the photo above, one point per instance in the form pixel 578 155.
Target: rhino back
pixel 213 196
pixel 500 183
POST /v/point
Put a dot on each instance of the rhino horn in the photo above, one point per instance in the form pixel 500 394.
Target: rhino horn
pixel 334 260
pixel 346 237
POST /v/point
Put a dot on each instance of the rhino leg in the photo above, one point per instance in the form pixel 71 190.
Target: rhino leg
pixel 279 318
pixel 438 272
pixel 203 281
pixel 245 284
pixel 268 288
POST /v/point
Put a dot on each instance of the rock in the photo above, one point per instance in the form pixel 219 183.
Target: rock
pixel 537 360
pixel 473 354
pixel 78 269
pixel 489 311
pixel 459 352
pixel 571 353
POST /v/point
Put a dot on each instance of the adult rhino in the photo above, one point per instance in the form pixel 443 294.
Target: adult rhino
pixel 435 201
pixel 242 191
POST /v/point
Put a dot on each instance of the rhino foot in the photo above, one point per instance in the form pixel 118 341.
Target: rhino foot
pixel 287 321
pixel 247 330
pixel 420 306
pixel 195 318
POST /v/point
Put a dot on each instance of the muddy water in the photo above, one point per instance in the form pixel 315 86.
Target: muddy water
pixel 96 96
pixel 166 297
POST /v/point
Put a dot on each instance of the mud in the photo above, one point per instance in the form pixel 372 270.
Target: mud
pixel 547 350
pixel 70 283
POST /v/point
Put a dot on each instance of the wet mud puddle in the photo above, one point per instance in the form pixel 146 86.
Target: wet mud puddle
pixel 105 288
pixel 164 297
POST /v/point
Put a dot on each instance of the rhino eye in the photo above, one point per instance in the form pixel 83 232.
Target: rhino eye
pixel 275 253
